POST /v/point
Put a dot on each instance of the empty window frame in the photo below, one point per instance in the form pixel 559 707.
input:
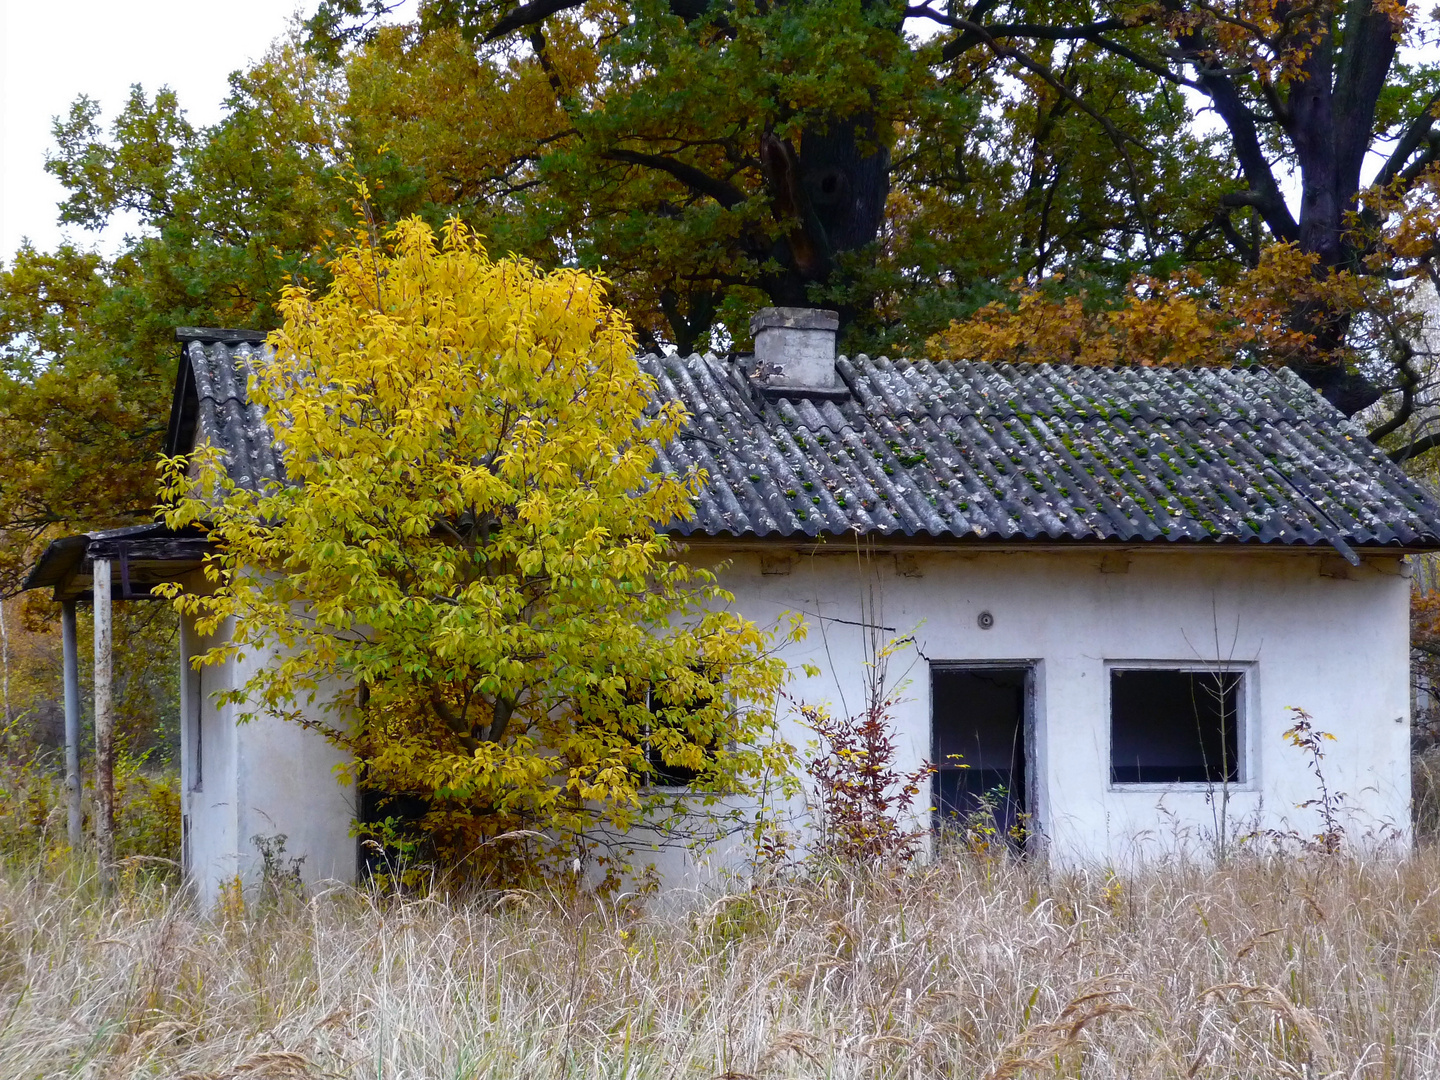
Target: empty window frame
pixel 1176 725
pixel 195 707
pixel 665 774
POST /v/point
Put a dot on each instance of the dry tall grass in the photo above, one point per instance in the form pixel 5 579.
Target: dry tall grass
pixel 1321 967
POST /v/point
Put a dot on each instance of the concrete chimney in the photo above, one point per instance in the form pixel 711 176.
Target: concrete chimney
pixel 795 348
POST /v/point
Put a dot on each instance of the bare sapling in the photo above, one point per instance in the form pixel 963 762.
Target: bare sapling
pixel 1329 804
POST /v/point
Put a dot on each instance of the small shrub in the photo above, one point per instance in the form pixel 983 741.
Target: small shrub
pixel 32 794
pixel 279 876
pixel 147 811
pixel 1330 804
pixel 863 798
pixel 34 816
pixel 983 832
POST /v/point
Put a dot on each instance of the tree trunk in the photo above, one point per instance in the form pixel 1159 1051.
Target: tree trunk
pixel 831 194
pixel 1329 120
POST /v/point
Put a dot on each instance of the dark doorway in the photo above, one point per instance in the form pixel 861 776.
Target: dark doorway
pixel 388 816
pixel 980 746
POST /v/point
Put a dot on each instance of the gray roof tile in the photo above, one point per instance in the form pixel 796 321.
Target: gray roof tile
pixel 1010 452
pixel 984 452
pixel 225 416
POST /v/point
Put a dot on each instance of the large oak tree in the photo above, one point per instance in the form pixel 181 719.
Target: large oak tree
pixel 795 123
pixel 714 157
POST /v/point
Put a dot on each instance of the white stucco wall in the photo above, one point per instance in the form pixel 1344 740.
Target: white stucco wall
pixel 1307 629
pixel 265 777
pixel 208 799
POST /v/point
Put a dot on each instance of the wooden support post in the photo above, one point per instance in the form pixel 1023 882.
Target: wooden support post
pixel 104 731
pixel 72 724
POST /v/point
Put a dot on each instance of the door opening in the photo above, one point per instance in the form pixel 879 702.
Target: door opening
pixel 980 739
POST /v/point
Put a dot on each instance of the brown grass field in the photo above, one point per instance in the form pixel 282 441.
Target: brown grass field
pixel 1306 967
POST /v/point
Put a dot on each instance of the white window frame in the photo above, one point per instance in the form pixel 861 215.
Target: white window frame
pixel 1247 706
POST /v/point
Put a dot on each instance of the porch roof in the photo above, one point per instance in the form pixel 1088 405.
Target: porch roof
pixel 141 556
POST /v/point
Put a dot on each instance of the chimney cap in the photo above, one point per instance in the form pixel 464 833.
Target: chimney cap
pixel 794 318
pixel 795 351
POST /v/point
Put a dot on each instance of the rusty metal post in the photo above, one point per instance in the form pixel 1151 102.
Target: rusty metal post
pixel 73 784
pixel 104 730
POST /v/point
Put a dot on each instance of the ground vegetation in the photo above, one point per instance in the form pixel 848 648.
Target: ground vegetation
pixel 984 967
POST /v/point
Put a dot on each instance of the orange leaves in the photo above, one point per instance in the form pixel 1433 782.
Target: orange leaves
pixel 1157 323
pixel 1397 12
pixel 1401 221
pixel 1175 322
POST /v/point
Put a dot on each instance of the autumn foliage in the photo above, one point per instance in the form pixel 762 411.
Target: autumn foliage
pixel 1179 321
pixel 865 803
pixel 466 567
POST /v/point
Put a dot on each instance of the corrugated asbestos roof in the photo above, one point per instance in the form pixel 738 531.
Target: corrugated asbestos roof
pixel 982 452
pixel 1037 452
pixel 219 372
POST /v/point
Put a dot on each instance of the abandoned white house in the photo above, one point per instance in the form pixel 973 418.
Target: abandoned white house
pixel 1117 581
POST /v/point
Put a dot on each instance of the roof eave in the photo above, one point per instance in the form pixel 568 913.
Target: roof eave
pixel 951 542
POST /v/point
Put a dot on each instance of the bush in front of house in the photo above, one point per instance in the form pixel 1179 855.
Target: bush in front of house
pixel 470 544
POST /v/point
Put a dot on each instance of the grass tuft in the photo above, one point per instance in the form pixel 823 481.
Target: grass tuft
pixel 1318 966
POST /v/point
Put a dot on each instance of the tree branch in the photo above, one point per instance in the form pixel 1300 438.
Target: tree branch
pixel 1409 380
pixel 531 14
pixel 456 723
pixel 1247 251
pixel 1402 454
pixel 1117 137
pixel 1153 66
pixel 1243 137
pixel 501 712
pixel 1418 132
pixel 537 43
pixel 695 179
pixel 1367 51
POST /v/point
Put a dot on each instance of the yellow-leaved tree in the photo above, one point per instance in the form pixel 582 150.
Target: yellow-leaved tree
pixel 464 579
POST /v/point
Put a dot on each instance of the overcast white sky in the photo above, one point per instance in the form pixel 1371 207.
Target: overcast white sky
pixel 51 51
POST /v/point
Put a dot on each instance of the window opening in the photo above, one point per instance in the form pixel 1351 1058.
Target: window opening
pixel 197 729
pixel 979 747
pixel 1174 726
pixel 664 774
pixel 390 835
